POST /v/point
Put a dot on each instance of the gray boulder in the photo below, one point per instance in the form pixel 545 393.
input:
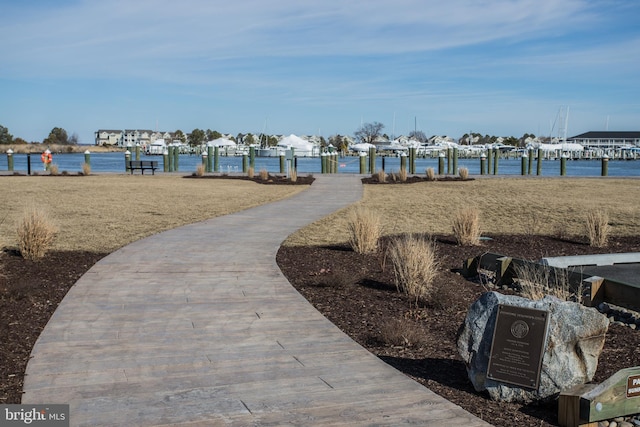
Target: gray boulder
pixel 575 338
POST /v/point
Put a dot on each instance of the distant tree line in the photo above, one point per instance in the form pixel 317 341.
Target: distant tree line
pixel 367 132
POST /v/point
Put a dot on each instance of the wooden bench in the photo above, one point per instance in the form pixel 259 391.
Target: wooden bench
pixel 142 165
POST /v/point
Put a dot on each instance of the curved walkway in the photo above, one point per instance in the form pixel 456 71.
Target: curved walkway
pixel 197 326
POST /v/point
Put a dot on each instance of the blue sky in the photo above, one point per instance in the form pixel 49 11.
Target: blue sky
pixel 497 67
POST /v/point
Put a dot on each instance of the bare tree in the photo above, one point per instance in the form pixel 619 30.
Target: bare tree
pixel 369 132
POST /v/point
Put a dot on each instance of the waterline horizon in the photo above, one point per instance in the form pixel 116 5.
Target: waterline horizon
pixel 187 164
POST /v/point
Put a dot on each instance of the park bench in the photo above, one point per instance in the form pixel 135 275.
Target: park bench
pixel 142 165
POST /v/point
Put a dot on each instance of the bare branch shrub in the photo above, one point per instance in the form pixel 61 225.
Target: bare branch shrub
pixel 35 233
pixel 365 229
pixel 414 266
pixel 597 227
pixel 466 226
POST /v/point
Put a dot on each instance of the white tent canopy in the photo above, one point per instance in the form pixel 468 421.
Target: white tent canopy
pixel 363 146
pixel 221 142
pixel 301 146
pixel 293 141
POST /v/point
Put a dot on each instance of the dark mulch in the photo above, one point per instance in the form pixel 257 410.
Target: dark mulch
pixel 353 291
pixel 272 180
pixel 393 179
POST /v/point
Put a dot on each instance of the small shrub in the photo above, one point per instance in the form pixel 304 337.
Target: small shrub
pixel 365 229
pixel 466 227
pixel 402 332
pixel 381 176
pixel 293 175
pixel 251 172
pixel 35 234
pixel 402 175
pixel 264 175
pixel 431 174
pixel 86 169
pixel 200 170
pixel 597 228
pixel 53 170
pixel 464 173
pixel 414 266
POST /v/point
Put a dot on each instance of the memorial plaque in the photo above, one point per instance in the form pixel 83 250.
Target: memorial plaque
pixel 518 345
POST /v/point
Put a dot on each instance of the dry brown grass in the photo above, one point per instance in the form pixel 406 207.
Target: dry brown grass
pixel 381 175
pixel 536 281
pixel 428 207
pixel 414 266
pixel 597 227
pixel 466 226
pixel 293 175
pixel 35 232
pixel 364 230
pixel 102 213
pixel 251 172
pixel 86 169
pixel 200 170
pixel 264 174
pixel 431 174
pixel 402 332
pixel 464 173
pixel 53 170
pixel 402 175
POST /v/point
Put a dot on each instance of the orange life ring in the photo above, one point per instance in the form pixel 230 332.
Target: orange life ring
pixel 46 157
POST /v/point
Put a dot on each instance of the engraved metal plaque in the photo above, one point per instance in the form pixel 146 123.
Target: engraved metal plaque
pixel 518 345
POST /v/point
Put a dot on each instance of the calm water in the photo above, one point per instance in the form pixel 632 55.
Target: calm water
pixel 114 162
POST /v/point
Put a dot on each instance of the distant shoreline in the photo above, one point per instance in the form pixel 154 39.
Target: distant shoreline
pixel 55 148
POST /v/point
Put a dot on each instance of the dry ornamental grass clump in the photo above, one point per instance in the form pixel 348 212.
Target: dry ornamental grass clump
pixel 597 227
pixel 414 266
pixel 251 172
pixel 264 175
pixel 35 234
pixel 86 169
pixel 466 227
pixel 364 230
pixel 431 174
pixel 381 176
pixel 464 173
pixel 200 170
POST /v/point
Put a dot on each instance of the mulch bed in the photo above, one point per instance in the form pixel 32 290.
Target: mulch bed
pixel 272 180
pixel 357 293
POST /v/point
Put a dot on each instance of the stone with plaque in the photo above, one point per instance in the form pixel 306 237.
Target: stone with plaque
pixel 518 345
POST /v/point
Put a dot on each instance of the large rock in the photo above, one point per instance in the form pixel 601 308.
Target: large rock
pixel 575 338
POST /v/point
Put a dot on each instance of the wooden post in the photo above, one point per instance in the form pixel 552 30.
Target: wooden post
pixel 585 405
pixel 605 165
